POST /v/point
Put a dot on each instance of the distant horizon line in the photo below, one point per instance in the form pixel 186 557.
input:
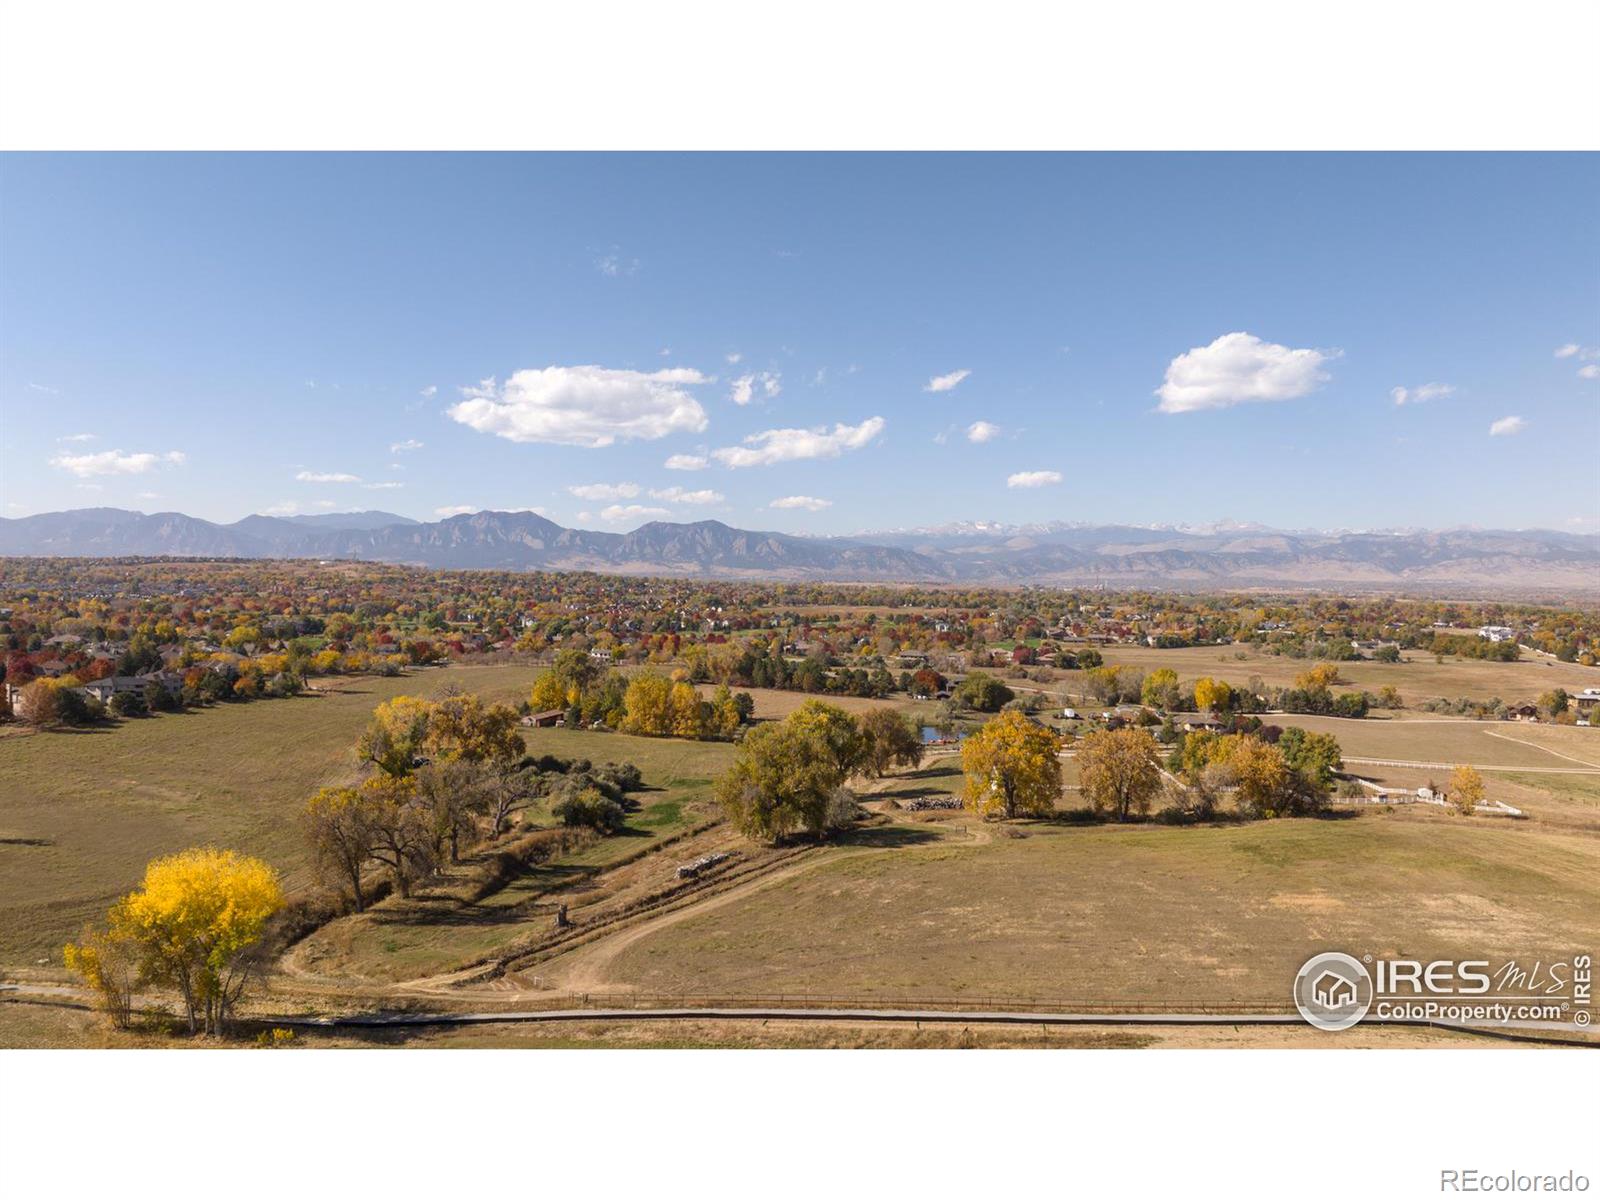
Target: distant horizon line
pixel 956 527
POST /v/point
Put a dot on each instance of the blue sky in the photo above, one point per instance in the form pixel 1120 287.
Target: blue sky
pixel 915 339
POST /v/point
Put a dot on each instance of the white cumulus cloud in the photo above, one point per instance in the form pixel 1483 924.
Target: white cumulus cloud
pixel 1033 479
pixel 687 462
pixel 1592 371
pixel 787 445
pixel 744 387
pixel 1422 394
pixel 982 431
pixel 1568 351
pixel 584 406
pixel 76 437
pixel 402 447
pixel 455 510
pixel 605 491
pixel 383 487
pixel 1506 426
pixel 115 462
pixel 945 383
pixel 809 503
pixel 1239 368
pixel 326 477
pixel 429 392
pixel 677 495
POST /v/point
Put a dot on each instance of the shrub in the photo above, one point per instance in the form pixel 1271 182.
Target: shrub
pixel 624 777
pixel 590 808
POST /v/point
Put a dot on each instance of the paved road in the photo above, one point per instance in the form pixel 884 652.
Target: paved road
pixel 1526 1031
pixel 1536 1031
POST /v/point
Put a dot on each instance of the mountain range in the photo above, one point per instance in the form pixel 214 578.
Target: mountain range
pixel 1225 555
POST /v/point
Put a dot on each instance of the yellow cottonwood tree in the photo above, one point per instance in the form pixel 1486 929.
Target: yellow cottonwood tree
pixel 1211 695
pixel 1012 767
pixel 687 715
pixel 550 691
pixel 194 921
pixel 725 715
pixel 110 966
pixel 1119 771
pixel 1466 789
pixel 463 727
pixel 1318 678
pixel 395 736
pixel 648 701
pixel 1260 774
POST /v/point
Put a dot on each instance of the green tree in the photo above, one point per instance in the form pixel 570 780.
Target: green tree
pixel 983 692
pixel 833 731
pixel 1554 702
pixel 1315 755
pixel 891 740
pixel 784 777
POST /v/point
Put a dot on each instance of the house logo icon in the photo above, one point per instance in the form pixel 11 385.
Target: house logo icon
pixel 1333 991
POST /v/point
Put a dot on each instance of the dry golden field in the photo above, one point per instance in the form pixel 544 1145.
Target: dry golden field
pixel 81 812
pixel 1141 914
pixel 774 704
pixel 1418 678
pixel 917 907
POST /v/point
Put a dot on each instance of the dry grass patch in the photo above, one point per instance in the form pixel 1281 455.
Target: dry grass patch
pixel 1144 914
pixel 81 813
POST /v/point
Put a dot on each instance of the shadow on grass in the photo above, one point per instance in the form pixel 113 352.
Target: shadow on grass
pixel 934 772
pixel 886 837
pixel 1219 820
pixel 905 793
pixel 429 911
